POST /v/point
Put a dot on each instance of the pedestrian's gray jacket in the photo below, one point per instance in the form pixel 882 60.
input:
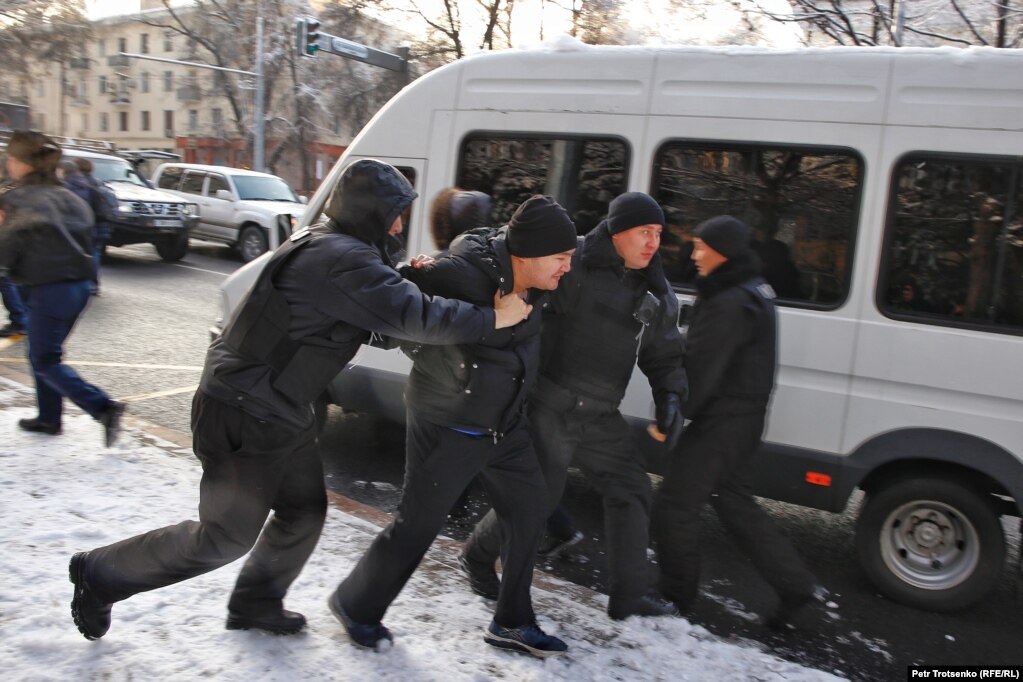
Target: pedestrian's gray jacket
pixel 318 299
pixel 592 338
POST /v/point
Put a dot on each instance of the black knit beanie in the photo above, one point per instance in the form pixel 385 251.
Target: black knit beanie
pixel 727 235
pixel 37 150
pixel 633 209
pixel 540 227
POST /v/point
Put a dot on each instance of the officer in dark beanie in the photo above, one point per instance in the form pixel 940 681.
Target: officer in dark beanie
pixel 465 418
pixel 731 358
pixel 313 305
pixel 613 311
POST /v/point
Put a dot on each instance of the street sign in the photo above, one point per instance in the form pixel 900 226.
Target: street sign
pixel 362 53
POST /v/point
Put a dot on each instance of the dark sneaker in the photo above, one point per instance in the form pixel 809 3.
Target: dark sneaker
pixel 91 614
pixel 12 330
pixel 528 639
pixel 482 577
pixel 791 606
pixel 376 637
pixel 552 546
pixel 647 605
pixel 281 622
pixel 111 421
pixel 35 425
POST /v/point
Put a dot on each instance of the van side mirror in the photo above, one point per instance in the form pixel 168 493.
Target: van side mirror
pixel 224 194
pixel 303 200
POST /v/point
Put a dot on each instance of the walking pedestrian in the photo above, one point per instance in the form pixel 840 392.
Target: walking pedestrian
pixel 104 206
pixel 317 300
pixel 45 247
pixel 15 308
pixel 614 310
pixel 465 419
pixel 731 357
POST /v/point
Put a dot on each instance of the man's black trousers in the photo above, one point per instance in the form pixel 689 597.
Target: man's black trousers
pixel 712 463
pixel 600 442
pixel 440 463
pixel 250 468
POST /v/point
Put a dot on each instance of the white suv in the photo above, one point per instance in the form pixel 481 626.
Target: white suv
pixel 236 207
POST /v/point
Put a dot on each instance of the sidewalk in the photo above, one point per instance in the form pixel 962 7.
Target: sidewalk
pixel 68 493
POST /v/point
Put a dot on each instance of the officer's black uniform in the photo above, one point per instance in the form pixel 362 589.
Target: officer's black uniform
pixel 314 304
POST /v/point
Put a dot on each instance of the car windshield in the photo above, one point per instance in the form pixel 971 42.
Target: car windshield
pixel 257 187
pixel 115 170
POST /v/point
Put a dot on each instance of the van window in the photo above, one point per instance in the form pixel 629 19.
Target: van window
pixel 802 204
pixel 193 182
pixel 582 173
pixel 170 178
pixel 216 182
pixel 954 242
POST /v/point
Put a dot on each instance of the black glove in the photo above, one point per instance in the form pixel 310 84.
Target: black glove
pixel 670 419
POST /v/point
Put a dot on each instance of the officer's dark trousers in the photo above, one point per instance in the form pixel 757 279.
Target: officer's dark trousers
pixel 712 463
pixel 440 462
pixel 601 444
pixel 250 467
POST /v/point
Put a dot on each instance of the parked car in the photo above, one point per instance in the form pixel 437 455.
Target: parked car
pixel 236 207
pixel 144 215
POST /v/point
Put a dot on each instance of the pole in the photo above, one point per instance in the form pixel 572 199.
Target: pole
pixel 259 143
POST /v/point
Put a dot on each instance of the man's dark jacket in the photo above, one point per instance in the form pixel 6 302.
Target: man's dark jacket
pixel 731 343
pixel 46 236
pixel 318 299
pixel 477 387
pixel 591 337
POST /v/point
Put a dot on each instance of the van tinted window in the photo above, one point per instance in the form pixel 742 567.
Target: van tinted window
pixel 193 182
pixel 954 242
pixel 582 173
pixel 170 178
pixel 802 204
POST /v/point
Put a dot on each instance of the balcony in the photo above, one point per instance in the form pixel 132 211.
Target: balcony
pixel 121 99
pixel 118 61
pixel 189 93
pixel 79 101
pixel 80 63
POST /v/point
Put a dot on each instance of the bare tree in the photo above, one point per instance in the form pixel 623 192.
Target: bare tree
pixel 37 31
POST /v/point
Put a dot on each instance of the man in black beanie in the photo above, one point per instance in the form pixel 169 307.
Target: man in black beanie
pixel 731 358
pixel 465 418
pixel 612 312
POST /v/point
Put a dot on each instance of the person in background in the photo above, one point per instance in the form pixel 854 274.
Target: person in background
pixel 316 301
pixel 731 358
pixel 613 311
pixel 45 247
pixel 103 203
pixel 465 418
pixel 14 305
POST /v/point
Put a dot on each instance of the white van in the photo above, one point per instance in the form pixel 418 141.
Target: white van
pixel 885 188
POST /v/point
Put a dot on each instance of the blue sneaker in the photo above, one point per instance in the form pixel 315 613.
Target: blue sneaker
pixel 528 639
pixel 376 637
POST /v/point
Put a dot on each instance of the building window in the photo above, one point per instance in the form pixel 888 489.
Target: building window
pixel 168 81
pixel 193 120
pixel 954 242
pixel 40 89
pixel 83 89
pixel 168 123
pixel 802 203
pixel 104 122
pixel 122 44
pixel 102 47
pixel 168 42
pixel 144 43
pixel 101 85
pixel 218 122
pixel 144 82
pixel 145 120
pixel 122 118
pixel 583 173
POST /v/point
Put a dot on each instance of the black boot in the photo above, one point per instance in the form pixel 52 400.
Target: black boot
pixel 110 418
pixel 647 605
pixel 482 577
pixel 791 606
pixel 90 613
pixel 35 425
pixel 282 622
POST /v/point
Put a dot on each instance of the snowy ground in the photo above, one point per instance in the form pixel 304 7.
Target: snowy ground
pixel 63 494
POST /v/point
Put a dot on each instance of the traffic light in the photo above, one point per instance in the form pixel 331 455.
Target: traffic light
pixel 307 35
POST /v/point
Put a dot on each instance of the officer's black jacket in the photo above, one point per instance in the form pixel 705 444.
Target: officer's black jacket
pixel 478 387
pixel 731 344
pixel 591 338
pixel 318 299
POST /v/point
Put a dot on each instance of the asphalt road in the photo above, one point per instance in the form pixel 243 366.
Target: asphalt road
pixel 144 339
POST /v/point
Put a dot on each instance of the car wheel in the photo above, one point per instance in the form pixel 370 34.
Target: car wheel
pixel 173 248
pixel 932 543
pixel 251 243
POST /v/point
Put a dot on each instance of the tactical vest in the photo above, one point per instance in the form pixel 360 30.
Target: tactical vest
pixel 303 368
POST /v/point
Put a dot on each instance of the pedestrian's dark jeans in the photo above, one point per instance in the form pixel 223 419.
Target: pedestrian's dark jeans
pixel 439 464
pixel 53 310
pixel 12 301
pixel 250 468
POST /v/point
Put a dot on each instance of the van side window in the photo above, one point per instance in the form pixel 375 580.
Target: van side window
pixel 802 204
pixel 193 182
pixel 954 242
pixel 582 173
pixel 216 182
pixel 169 178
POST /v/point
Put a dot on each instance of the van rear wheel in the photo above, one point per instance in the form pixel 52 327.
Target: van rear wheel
pixel 932 543
pixel 251 243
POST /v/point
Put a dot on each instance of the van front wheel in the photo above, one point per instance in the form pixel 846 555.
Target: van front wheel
pixel 931 543
pixel 251 243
